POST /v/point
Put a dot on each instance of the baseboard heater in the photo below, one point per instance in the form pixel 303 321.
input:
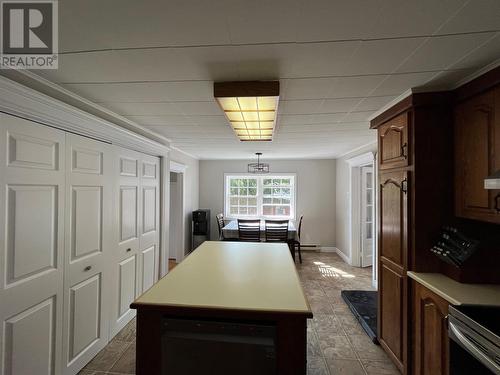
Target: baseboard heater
pixel 312 247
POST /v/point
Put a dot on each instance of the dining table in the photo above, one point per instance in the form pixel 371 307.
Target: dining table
pixel 230 230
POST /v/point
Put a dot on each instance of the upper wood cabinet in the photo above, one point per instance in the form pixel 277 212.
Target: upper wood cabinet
pixel 393 142
pixel 430 332
pixel 477 155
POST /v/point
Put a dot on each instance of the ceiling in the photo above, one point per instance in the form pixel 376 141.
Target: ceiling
pixel 338 62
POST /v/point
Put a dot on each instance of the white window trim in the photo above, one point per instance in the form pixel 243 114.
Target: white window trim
pixel 225 196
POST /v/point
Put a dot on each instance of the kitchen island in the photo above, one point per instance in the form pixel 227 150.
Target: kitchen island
pixel 229 307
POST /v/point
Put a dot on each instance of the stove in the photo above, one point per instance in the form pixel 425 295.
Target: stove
pixel 474 332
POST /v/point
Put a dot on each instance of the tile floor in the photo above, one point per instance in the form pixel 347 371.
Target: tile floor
pixel 336 342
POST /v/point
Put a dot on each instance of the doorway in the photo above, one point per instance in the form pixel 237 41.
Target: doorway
pixel 363 212
pixel 176 215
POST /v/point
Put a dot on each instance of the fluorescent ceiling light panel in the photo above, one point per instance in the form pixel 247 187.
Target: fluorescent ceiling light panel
pixel 250 107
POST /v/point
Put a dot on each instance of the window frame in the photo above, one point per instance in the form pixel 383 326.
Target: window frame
pixel 260 194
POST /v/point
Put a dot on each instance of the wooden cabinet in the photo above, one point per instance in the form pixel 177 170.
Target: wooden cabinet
pixel 393 142
pixel 477 155
pixel 430 332
pixel 393 249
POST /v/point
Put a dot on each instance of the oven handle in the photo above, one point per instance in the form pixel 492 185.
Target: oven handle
pixel 472 349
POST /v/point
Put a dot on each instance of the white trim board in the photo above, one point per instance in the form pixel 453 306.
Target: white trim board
pixel 21 101
pixel 177 167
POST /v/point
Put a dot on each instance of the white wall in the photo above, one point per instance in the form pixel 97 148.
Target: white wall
pixel 315 197
pixel 191 190
pixel 342 216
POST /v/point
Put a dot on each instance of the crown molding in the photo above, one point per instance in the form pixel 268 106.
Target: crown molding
pixel 19 100
pixel 476 74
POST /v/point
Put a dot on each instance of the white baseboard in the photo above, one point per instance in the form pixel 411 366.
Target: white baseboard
pixel 328 249
pixel 344 257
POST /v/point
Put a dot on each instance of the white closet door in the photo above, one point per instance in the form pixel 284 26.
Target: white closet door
pixel 126 249
pixel 32 188
pixel 150 231
pixel 88 242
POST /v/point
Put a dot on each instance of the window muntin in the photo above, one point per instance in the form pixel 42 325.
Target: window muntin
pixel 269 196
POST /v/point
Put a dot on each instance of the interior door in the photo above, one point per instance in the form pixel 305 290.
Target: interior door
pixel 125 262
pixel 367 215
pixel 149 230
pixel 32 187
pixel 88 243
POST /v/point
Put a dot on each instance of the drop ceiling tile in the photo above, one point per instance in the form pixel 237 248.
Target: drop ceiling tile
pixel 437 53
pixel 300 107
pixel 199 108
pixel 398 84
pixel 142 109
pixel 174 22
pixel 255 21
pixel 309 88
pixel 339 105
pixel 474 16
pixel 448 79
pixel 161 120
pixel 295 119
pixel 145 92
pixel 412 18
pixel 381 56
pixel 483 55
pixel 374 103
pixel 208 120
pixel 358 116
pixel 336 20
pixel 323 59
pixel 323 118
pixel 346 87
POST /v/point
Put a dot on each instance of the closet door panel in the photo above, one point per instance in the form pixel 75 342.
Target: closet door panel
pixel 32 187
pixel 89 244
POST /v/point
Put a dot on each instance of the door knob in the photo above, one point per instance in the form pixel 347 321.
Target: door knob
pixel 129 250
pixel 88 268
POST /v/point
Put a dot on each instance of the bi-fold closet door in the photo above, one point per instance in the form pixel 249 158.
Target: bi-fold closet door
pixel 79 241
pixel 32 188
pixel 135 262
pixel 88 249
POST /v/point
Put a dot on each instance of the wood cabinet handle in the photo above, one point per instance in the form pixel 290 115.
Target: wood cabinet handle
pixel 88 268
pixel 404 152
pixel 497 204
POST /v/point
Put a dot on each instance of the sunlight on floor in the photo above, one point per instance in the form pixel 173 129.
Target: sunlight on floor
pixel 329 271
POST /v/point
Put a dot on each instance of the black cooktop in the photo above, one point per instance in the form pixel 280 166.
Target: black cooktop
pixel 486 316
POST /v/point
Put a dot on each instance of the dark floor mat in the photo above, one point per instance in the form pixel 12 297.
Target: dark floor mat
pixel 363 304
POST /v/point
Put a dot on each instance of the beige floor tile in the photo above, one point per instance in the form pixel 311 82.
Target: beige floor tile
pixel 380 367
pixel 350 324
pixel 316 366
pixel 366 349
pixel 108 356
pixel 327 324
pixel 336 347
pixel 345 367
pixel 126 363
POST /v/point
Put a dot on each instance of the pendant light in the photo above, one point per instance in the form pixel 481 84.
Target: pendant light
pixel 258 168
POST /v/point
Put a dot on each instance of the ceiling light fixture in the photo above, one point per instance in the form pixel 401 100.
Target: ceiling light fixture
pixel 250 107
pixel 258 168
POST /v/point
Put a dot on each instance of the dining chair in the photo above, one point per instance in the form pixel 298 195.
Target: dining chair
pixel 249 230
pixel 220 225
pixel 276 230
pixel 296 241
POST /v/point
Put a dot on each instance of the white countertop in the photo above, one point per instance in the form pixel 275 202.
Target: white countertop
pixel 232 275
pixel 458 293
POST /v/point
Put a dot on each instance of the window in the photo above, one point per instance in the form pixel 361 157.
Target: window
pixel 269 196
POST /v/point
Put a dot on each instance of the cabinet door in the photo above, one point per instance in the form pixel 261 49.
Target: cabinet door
pixel 392 313
pixel 393 221
pixel 32 187
pixel 393 142
pixel 477 140
pixel 430 332
pixel 393 212
pixel 88 243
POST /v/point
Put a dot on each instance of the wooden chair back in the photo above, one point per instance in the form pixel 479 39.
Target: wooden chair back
pixel 220 225
pixel 276 230
pixel 299 229
pixel 249 230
